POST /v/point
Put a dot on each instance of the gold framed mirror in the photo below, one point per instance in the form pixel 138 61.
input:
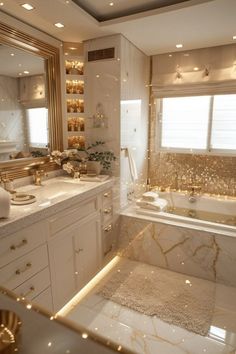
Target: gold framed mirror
pixel 51 55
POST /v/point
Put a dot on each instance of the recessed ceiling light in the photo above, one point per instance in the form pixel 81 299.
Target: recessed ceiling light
pixel 20 74
pixel 196 68
pixel 12 54
pixel 27 7
pixel 1 3
pixel 111 3
pixel 234 37
pixel 179 45
pixel 59 25
pixel 170 55
pixel 26 72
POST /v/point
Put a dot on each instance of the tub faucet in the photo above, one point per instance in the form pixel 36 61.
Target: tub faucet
pixel 194 190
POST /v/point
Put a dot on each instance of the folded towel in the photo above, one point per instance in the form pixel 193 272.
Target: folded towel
pixel 150 196
pixel 159 204
pixel 132 165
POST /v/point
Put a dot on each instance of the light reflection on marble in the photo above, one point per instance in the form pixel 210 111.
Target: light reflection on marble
pixel 149 335
pixel 185 250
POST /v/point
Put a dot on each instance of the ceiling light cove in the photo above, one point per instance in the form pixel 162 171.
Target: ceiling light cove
pixel 27 7
pixel 179 45
pixel 59 25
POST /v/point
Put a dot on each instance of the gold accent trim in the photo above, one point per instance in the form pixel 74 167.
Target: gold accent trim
pixel 15 38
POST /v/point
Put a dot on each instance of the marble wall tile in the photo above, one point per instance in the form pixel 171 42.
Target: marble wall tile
pixel 198 253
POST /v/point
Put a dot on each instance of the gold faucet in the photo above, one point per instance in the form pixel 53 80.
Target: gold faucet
pixel 38 174
pixel 194 190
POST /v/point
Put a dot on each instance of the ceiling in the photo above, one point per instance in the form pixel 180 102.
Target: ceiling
pixel 103 10
pixel 153 26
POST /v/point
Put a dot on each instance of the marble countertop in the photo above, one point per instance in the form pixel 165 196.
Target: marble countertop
pixel 55 195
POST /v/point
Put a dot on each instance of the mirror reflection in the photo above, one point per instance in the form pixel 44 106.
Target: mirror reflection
pixel 23 108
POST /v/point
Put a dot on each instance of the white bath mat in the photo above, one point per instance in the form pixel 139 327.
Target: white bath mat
pixel 175 298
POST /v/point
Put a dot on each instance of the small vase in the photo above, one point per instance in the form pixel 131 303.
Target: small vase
pixel 94 167
pixel 5 203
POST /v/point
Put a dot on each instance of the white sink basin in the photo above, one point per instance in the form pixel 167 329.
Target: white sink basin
pixel 53 190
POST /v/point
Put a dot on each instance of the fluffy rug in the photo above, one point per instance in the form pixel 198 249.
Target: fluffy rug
pixel 178 299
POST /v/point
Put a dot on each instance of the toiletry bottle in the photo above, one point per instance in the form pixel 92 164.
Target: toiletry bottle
pixel 5 202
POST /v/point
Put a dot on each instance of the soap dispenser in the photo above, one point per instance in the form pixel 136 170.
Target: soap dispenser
pixel 5 203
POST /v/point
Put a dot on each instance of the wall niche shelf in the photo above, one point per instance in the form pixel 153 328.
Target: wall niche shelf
pixel 74 97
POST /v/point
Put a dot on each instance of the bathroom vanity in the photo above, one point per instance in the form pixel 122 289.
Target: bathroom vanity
pixel 51 248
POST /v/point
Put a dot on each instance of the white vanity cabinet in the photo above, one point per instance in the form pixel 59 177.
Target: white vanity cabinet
pixel 49 261
pixel 75 248
pixel 24 264
pixel 87 248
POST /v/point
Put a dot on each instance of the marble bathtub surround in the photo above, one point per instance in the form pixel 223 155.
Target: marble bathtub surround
pixel 194 252
pixel 187 302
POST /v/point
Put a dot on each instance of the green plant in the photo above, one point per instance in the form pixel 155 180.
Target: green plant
pixel 104 157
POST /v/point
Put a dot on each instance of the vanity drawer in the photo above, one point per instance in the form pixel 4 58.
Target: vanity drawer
pixel 21 242
pixel 44 300
pixel 72 215
pixel 35 285
pixel 24 268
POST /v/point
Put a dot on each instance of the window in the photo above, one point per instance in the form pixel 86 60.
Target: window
pixel 37 119
pixel 198 123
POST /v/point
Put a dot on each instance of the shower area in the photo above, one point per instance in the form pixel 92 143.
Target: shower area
pixel 169 285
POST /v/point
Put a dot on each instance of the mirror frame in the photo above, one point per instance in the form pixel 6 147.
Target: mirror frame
pixel 20 40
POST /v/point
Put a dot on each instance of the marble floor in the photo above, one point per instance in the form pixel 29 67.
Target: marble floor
pixel 149 335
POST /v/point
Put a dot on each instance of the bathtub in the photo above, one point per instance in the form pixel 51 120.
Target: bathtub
pixel 212 213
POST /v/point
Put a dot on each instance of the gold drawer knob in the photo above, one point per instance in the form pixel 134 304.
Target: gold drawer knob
pixel 31 290
pixel 107 211
pixel 21 244
pixel 106 195
pixel 20 271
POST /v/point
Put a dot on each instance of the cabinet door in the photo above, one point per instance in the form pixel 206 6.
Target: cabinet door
pixel 87 245
pixel 61 256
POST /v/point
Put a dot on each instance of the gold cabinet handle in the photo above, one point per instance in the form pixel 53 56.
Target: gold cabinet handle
pixel 109 250
pixel 27 266
pixel 107 210
pixel 79 250
pixel 31 290
pixel 21 244
pixel 108 228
